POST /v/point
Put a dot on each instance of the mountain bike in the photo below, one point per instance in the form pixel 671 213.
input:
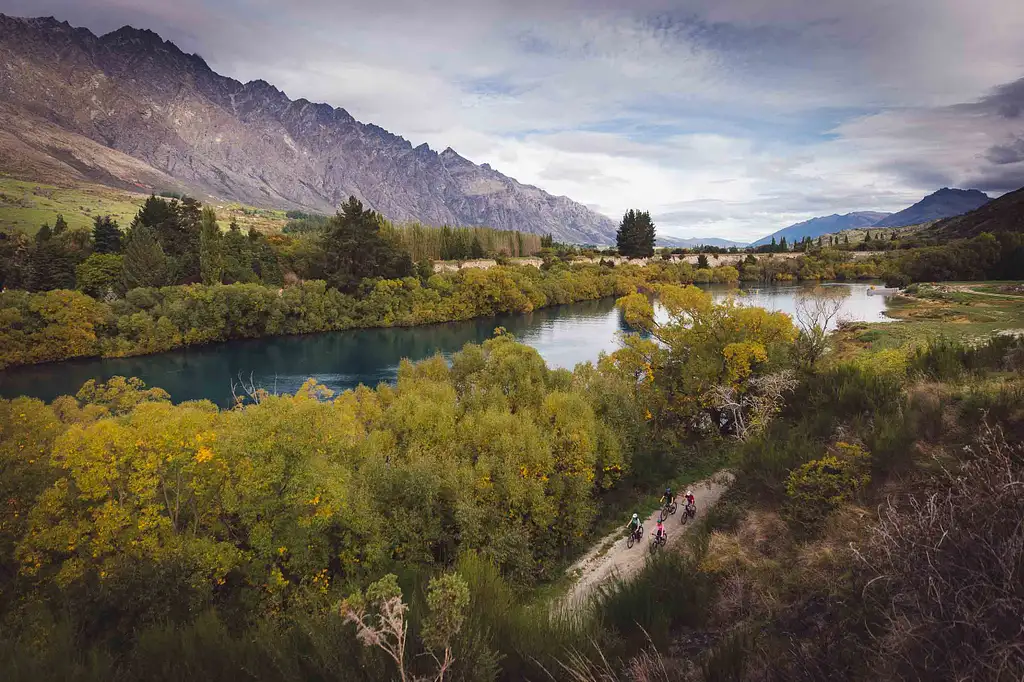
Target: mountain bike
pixel 688 513
pixel 657 542
pixel 667 510
pixel 635 536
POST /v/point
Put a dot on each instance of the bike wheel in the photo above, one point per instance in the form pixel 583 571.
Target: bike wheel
pixel 673 508
pixel 654 546
pixel 630 541
pixel 663 514
pixel 685 517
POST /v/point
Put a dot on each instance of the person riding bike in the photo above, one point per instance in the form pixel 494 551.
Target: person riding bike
pixel 634 524
pixel 659 533
pixel 691 503
pixel 668 497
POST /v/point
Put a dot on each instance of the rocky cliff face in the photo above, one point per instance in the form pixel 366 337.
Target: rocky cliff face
pixel 129 93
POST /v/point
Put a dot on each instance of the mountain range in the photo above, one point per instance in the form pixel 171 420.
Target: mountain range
pixel 823 225
pixel 1005 214
pixel 945 203
pixel 128 109
pixel 690 242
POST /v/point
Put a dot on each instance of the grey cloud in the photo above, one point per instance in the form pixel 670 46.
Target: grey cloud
pixel 1005 154
pixel 1007 100
pixel 523 84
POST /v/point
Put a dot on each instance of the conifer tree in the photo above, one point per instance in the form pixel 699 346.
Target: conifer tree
pixel 145 263
pixel 106 235
pixel 636 235
pixel 211 256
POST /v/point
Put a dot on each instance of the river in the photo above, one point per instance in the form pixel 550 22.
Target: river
pixel 563 335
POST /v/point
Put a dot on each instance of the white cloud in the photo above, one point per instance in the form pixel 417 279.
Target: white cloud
pixel 725 118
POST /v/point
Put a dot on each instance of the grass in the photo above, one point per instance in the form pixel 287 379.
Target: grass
pixel 957 315
pixel 26 206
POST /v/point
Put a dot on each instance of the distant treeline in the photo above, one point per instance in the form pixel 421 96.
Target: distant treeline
pixel 462 243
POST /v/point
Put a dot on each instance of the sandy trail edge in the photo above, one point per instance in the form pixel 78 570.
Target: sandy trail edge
pixel 600 564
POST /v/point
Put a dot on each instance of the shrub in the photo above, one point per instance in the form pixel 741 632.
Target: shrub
pixel 821 486
pixel 943 570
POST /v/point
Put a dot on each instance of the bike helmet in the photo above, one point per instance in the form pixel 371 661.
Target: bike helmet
pixel 668 491
pixel 636 516
pixel 689 493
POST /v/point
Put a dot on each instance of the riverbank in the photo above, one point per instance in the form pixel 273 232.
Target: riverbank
pixel 61 325
pixel 965 312
pixel 563 335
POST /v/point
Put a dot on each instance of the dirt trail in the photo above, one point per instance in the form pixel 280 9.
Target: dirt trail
pixel 611 557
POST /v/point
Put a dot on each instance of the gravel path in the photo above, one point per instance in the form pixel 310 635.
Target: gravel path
pixel 611 557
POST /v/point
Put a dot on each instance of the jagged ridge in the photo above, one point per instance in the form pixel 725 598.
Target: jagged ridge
pixel 137 94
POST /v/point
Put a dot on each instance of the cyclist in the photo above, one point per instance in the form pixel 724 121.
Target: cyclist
pixel 659 533
pixel 634 524
pixel 691 503
pixel 667 498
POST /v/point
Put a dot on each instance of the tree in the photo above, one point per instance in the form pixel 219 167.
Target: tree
pixel 51 264
pixel 176 227
pixel 867 235
pixel 145 263
pixel 236 257
pixel 816 312
pixel 106 235
pixel 60 226
pixel 99 274
pixel 354 249
pixel 702 262
pixel 636 235
pixel 211 257
pixel 783 246
pixel 476 249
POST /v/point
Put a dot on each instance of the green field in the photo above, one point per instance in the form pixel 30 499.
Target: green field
pixel 26 206
pixel 958 310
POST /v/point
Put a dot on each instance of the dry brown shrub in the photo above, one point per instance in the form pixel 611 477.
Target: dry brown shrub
pixel 947 568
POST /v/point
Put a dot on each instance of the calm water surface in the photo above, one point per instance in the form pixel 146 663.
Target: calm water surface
pixel 563 335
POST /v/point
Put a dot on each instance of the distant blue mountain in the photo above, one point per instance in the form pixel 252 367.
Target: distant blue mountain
pixel 824 225
pixel 690 242
pixel 946 203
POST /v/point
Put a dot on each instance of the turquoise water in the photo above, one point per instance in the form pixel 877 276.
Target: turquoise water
pixel 563 335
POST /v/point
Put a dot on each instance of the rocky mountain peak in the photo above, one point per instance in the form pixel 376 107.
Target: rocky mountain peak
pixel 131 93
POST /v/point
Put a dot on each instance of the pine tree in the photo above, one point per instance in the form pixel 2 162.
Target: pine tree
pixel 60 226
pixel 819 242
pixel 867 235
pixel 145 263
pixel 636 235
pixel 702 262
pixel 774 246
pixel 846 239
pixel 783 246
pixel 50 265
pixel 354 249
pixel 106 235
pixel 211 256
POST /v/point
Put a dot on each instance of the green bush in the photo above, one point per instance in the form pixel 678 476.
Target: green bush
pixel 821 486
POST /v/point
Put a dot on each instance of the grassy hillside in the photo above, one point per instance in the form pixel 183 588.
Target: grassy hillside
pixel 1005 214
pixel 26 206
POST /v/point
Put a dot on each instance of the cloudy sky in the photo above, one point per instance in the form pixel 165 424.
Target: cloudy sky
pixel 727 118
